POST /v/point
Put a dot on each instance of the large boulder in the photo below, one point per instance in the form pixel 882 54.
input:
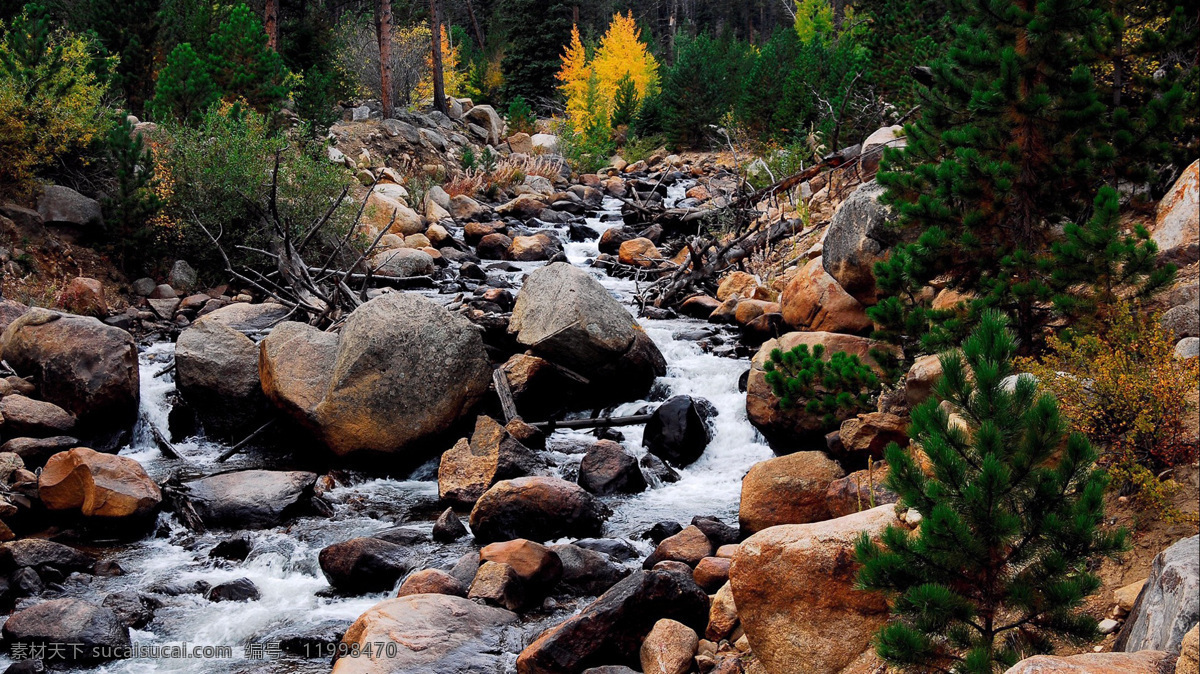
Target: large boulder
pixel 613 627
pixel 294 365
pixel 1169 603
pixel 1175 227
pixel 669 648
pixel 60 205
pixel 40 554
pixel 246 317
pixel 607 468
pixel 426 634
pixel 678 431
pixel 492 454
pixel 867 435
pixel 787 490
pixel 78 363
pixel 486 117
pixel 1145 662
pixel 405 370
pixel 537 508
pixel 794 586
pixel 857 238
pixel 98 485
pixel 37 418
pixel 362 565
pixel 216 371
pixel 250 499
pixel 814 302
pixel 588 571
pixel 85 633
pixel 564 315
pixel 786 428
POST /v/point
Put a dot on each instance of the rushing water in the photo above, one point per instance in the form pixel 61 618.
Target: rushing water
pixel 283 561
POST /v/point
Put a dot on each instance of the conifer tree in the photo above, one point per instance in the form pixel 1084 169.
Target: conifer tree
pixel 1011 513
pixel 1013 141
pixel 129 30
pixel 625 102
pixel 185 89
pixel 531 57
pixel 129 210
pixel 242 65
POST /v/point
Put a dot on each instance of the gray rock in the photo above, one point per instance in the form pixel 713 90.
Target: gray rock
pixel 1182 321
pixel 216 370
pixel 360 114
pixel 250 499
pixel 402 262
pixel 36 451
pixel 434 140
pixel 97 630
pixel 1188 347
pixel 857 238
pixel 241 589
pixel 397 129
pixel 182 275
pixel 78 363
pixel 60 205
pixel 564 315
pixel 362 565
pixel 588 571
pixel 246 317
pixel 1169 603
pixel 144 286
pixel 39 554
pixel 536 508
pixel 132 607
pixel 487 118
pixel 463 208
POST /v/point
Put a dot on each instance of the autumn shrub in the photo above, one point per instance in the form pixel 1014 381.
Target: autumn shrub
pixel 1122 387
pixel 51 98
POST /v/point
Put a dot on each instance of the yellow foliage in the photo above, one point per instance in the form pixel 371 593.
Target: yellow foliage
pixel 49 114
pixel 453 79
pixel 621 52
pixel 1123 388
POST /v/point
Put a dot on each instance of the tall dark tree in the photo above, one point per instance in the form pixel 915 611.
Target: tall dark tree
pixel 128 29
pixel 435 39
pixel 134 201
pixel 1013 141
pixel 383 32
pixel 531 57
pixel 1012 512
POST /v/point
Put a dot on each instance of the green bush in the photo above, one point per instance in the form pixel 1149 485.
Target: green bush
pixel 625 102
pixel 520 117
pixel 218 176
pixel 833 389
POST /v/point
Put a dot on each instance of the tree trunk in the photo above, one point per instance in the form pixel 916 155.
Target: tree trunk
pixel 475 23
pixel 383 30
pixel 271 21
pixel 439 85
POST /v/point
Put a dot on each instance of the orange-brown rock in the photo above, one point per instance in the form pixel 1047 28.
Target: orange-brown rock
pixel 473 232
pixel 535 564
pixel 743 285
pixel 813 301
pixel 922 377
pixel 726 312
pixel 688 546
pixel 472 466
pixel 1141 662
pixel 699 306
pixel 868 434
pixel 794 586
pixel 711 573
pixel 722 614
pixel 787 490
pixel 294 364
pixel 98 485
pixel 431 581
pixel 1176 228
pixel 533 248
pixel 498 584
pixel 669 648
pixel 762 407
pixel 83 296
pixel 748 310
pixel 639 252
pixel 860 490
pixel 391 214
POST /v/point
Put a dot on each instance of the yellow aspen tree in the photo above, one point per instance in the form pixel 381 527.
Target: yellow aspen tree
pixel 622 53
pixel 452 75
pixel 573 80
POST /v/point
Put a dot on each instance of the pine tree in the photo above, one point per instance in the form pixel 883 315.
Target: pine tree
pixel 128 29
pixel 903 34
pixel 1095 261
pixel 1010 144
pixel 1011 514
pixel 697 90
pixel 242 65
pixel 185 89
pixel 129 210
pixel 625 102
pixel 532 54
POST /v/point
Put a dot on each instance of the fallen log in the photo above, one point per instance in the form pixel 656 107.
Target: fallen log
pixel 598 422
